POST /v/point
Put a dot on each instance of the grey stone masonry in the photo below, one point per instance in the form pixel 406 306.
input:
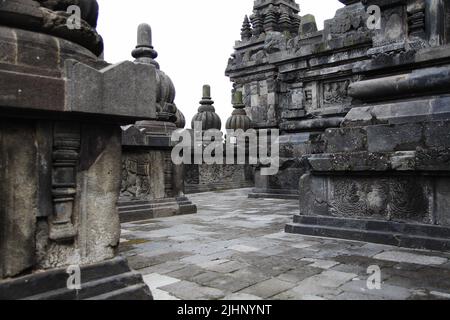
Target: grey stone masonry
pixel 152 185
pixel 383 174
pixel 60 147
pixel 296 80
pixel 235 249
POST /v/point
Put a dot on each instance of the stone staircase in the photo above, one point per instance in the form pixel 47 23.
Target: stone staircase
pixel 409 235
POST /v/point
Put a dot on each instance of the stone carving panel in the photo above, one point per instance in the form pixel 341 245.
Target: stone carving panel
pixel 335 92
pixel 398 199
pixel 144 175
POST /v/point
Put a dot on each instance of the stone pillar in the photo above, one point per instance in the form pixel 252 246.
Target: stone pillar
pixel 61 108
pixel 152 186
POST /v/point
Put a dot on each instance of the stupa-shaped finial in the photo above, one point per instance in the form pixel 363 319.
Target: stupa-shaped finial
pixel 206 112
pixel 144 51
pixel 246 31
pixel 239 118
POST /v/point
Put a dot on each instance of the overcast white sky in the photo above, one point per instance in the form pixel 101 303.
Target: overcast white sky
pixel 194 40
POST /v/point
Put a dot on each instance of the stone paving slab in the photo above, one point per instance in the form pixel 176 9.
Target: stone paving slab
pixel 268 288
pixel 236 249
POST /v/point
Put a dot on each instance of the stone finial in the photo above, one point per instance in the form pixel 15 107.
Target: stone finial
pixel 144 51
pixel 270 20
pixel 207 113
pixel 246 31
pixel 239 118
pixel 257 24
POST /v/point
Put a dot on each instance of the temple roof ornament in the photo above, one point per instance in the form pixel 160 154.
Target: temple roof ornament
pixel 207 113
pixel 239 118
pixel 145 53
pixel 246 31
pixel 273 15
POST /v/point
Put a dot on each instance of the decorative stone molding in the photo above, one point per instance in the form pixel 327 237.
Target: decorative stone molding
pixel 66 153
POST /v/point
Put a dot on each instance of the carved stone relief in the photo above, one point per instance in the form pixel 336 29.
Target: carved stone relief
pixel 145 175
pixel 398 199
pixel 335 92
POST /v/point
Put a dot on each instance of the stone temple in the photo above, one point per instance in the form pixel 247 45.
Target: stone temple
pixel 94 206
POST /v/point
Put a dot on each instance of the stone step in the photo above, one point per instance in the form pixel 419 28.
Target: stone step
pixel 146 214
pixel 381 237
pixel 124 203
pixel 414 229
pixel 93 288
pixel 132 202
pixel 273 196
pixel 200 188
pixel 96 280
pixel 137 292
pixel 148 206
pixel 266 193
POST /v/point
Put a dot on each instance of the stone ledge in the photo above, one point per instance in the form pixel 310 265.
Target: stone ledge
pixel 407 235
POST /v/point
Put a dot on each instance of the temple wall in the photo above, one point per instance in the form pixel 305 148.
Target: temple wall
pixel 204 178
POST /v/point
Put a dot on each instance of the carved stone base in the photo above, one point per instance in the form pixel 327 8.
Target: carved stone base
pixel 207 178
pixel 407 210
pixel 109 280
pixel 143 210
pixel 408 235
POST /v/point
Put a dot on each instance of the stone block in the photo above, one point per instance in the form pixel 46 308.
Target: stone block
pixel 123 89
pixel 268 288
pixel 394 137
pixel 437 134
pixel 345 140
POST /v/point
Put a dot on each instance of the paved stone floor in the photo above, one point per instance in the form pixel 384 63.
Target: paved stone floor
pixel 235 248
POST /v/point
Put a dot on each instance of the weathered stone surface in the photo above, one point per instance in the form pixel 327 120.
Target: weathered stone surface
pixel 380 176
pixel 202 178
pixel 152 186
pixel 50 17
pixel 113 280
pixel 92 91
pixel 298 82
pixel 60 162
pixel 17 212
pixel 216 226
